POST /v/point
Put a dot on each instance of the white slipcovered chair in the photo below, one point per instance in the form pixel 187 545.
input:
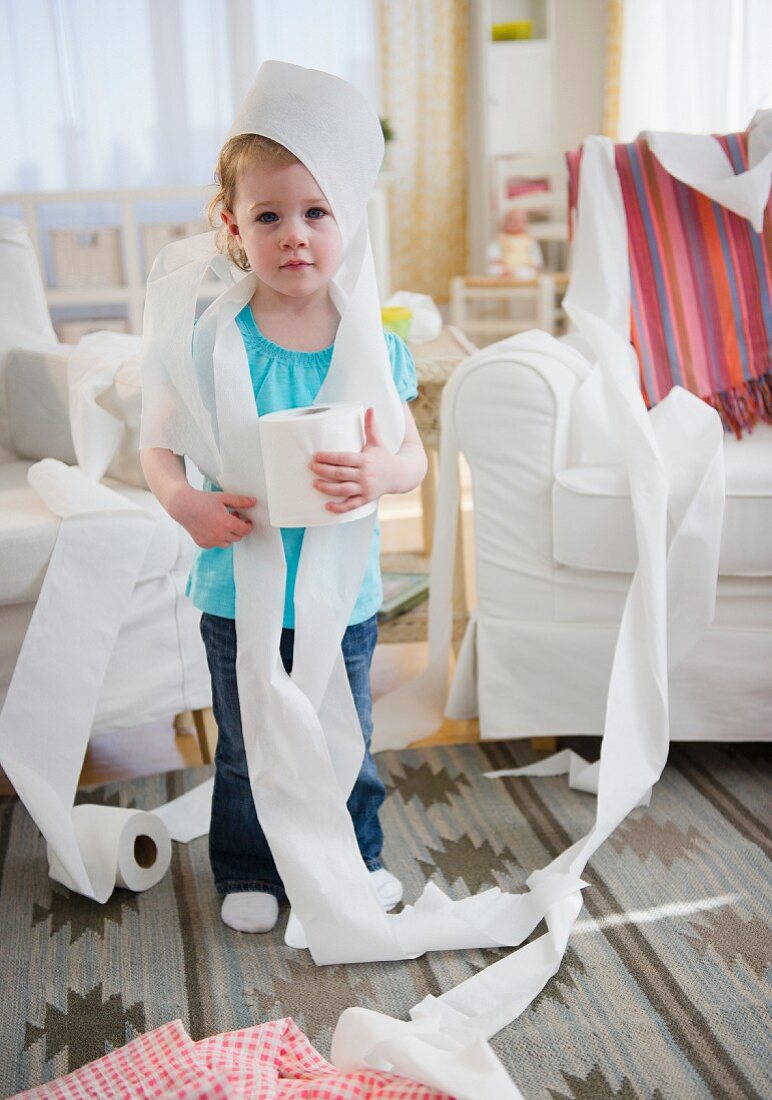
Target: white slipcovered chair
pixel 555 544
pixel 554 553
pixel 158 666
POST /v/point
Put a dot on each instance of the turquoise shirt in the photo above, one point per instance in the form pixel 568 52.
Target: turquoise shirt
pixel 284 379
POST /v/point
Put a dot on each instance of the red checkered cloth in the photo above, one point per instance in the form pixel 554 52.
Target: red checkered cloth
pixel 273 1061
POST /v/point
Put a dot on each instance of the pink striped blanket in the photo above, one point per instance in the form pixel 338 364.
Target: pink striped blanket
pixel 701 286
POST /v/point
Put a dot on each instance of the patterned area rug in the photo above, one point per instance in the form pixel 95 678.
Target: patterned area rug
pixel 660 995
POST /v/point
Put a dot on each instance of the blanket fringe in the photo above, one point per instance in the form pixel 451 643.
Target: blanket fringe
pixel 741 407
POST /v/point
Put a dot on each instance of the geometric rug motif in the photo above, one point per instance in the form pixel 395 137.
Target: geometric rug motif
pixel 663 992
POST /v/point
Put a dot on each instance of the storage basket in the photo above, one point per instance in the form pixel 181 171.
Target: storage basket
pixel 87 257
pixel 155 236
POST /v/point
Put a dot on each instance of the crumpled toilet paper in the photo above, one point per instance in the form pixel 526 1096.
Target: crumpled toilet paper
pixel 98 554
pixel 426 323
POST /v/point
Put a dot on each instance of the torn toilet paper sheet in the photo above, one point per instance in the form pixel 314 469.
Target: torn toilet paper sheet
pixel 187 817
pixel 91 372
pixel 699 161
pixel 426 322
pixel 582 775
pixel 49 709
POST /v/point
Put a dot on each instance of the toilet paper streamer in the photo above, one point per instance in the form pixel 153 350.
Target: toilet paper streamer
pixel 49 709
pixel 674 461
pixel 288 441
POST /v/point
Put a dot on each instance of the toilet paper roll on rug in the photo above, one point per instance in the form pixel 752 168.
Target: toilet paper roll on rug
pixel 288 440
pixel 120 847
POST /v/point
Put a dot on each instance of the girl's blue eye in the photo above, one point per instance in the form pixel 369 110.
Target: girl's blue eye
pixel 266 214
pixel 317 210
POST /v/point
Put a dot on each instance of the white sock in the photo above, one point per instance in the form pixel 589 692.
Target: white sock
pixel 250 911
pixel 387 886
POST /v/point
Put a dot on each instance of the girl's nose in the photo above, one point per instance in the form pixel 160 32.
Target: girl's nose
pixel 294 235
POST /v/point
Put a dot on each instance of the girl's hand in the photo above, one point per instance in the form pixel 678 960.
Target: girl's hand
pixel 210 518
pixel 359 477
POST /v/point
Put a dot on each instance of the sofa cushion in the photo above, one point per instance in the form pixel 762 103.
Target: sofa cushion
pixel 38 402
pixel 28 533
pixel 24 318
pixel 593 521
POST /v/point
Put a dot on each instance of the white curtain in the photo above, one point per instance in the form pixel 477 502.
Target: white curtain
pixel 133 93
pixel 700 66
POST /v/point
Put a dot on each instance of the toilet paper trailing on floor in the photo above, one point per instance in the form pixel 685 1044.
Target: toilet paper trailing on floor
pixel 49 709
pixel 120 847
pixel 289 439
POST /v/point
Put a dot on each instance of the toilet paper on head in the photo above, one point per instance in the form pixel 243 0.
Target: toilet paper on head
pixel 120 847
pixel 288 441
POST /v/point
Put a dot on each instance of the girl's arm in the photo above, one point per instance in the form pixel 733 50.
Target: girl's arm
pixel 206 516
pixel 366 476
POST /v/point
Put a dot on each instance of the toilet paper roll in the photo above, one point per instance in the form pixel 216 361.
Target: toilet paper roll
pixel 120 847
pixel 288 440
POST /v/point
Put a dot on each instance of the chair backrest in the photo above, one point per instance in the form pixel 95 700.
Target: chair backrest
pixel 24 318
pixel 700 285
pixel 537 184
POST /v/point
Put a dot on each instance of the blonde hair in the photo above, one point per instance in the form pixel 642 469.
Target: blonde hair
pixel 238 153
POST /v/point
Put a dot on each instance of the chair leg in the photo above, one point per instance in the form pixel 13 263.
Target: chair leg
pixel 457 302
pixel 182 724
pixel 203 741
pixel 429 500
pixel 544 744
pixel 545 304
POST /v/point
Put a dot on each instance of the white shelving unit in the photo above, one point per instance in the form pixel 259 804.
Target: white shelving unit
pixel 129 294
pixel 531 96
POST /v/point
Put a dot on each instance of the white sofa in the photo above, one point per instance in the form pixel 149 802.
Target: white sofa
pixel 554 552
pixel 158 667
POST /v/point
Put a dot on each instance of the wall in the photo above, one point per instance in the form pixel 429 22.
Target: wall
pixel 579 31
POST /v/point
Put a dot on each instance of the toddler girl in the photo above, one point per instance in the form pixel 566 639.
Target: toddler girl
pixel 278 224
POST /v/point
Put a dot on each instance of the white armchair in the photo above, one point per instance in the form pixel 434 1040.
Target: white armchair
pixel 158 666
pixel 555 543
pixel 554 553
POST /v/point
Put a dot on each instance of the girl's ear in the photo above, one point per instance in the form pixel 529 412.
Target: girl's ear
pixel 230 223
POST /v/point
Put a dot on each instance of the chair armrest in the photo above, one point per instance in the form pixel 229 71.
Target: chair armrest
pixel 512 416
pixel 517 406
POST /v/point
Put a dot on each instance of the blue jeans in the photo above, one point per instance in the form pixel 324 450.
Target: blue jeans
pixel 238 850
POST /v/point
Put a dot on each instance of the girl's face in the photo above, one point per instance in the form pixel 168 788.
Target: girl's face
pixel 285 225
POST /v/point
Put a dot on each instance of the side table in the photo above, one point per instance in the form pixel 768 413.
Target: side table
pixel 435 361
pixel 544 293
